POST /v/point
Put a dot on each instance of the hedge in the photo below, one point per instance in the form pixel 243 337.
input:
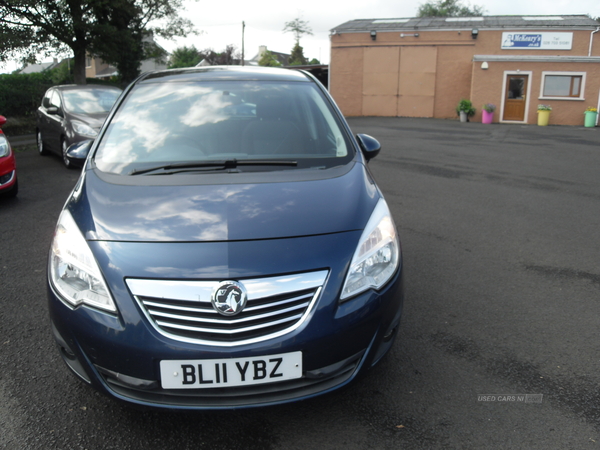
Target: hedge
pixel 21 94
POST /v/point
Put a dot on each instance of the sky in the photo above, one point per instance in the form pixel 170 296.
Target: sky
pixel 219 23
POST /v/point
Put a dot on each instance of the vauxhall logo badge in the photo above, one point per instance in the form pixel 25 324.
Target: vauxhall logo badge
pixel 229 298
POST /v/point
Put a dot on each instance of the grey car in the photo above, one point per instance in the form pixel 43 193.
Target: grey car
pixel 70 114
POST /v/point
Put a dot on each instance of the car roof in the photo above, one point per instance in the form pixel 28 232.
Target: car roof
pixel 225 73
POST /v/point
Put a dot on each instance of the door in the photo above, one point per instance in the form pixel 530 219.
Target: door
pixel 55 123
pixel 515 96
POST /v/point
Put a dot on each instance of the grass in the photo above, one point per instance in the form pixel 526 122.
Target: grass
pixel 24 148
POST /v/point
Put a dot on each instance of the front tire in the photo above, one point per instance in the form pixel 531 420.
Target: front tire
pixel 40 144
pixel 64 147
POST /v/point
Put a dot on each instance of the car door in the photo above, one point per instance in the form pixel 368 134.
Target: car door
pixel 43 119
pixel 55 117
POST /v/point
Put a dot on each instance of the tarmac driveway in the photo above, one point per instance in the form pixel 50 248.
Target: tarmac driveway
pixel 499 342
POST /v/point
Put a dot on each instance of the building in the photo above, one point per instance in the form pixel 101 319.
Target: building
pixel 282 58
pixel 96 68
pixel 422 67
pixel 42 67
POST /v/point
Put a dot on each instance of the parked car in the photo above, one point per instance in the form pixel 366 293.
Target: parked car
pixel 70 114
pixel 225 246
pixel 9 185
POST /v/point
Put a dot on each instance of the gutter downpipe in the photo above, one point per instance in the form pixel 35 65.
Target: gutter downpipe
pixel 592 40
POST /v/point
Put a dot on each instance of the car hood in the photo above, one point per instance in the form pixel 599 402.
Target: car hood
pixel 93 120
pixel 223 212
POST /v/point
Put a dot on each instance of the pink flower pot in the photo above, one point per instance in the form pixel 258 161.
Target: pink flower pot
pixel 487 117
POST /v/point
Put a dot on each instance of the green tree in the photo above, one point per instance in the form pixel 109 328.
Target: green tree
pixel 184 57
pixel 299 27
pixel 113 29
pixel 63 73
pixel 448 8
pixel 118 27
pixel 268 60
pixel 297 57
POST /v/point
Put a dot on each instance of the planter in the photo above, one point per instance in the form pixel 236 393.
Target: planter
pixel 487 117
pixel 543 118
pixel 590 119
pixel 463 116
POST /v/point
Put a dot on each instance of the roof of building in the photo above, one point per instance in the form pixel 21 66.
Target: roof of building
pixel 283 58
pixel 109 71
pixel 453 23
pixel 36 68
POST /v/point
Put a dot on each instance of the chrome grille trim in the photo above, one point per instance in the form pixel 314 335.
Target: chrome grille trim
pixel 240 330
pixel 229 322
pixel 182 310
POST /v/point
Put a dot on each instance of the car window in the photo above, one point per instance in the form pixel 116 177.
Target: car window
pixel 55 99
pixel 221 120
pixel 46 99
pixel 90 101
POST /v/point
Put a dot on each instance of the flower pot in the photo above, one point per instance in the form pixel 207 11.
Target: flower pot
pixel 543 118
pixel 463 116
pixel 487 117
pixel 590 119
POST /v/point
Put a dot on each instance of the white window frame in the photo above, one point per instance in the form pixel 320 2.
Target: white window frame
pixel 570 74
pixel 527 99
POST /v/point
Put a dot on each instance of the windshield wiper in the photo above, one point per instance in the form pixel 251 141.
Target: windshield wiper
pixel 225 164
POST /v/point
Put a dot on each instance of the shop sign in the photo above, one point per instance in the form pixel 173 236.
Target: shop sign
pixel 536 41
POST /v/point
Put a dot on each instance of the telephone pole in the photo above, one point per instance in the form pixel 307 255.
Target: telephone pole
pixel 243 27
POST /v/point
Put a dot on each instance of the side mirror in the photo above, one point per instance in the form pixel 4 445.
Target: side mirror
pixel 53 110
pixel 77 153
pixel 369 146
pixel 2 121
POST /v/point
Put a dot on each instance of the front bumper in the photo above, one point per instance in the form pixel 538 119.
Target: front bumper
pixel 8 173
pixel 120 355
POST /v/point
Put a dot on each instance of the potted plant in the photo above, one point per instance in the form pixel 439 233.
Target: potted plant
pixel 488 113
pixel 590 116
pixel 543 112
pixel 465 110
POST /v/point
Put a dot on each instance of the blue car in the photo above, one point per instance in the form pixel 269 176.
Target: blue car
pixel 225 246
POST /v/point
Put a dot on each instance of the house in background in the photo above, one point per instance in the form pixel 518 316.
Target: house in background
pixel 96 68
pixel 42 67
pixel 283 58
pixel 422 67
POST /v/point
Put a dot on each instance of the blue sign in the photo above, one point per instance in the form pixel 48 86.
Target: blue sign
pixel 523 40
pixel 537 41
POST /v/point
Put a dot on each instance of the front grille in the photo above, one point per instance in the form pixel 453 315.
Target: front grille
pixel 182 310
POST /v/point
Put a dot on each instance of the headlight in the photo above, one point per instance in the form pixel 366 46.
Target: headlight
pixel 377 256
pixel 4 147
pixel 73 270
pixel 83 129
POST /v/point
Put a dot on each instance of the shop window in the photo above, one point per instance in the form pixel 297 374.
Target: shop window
pixel 563 85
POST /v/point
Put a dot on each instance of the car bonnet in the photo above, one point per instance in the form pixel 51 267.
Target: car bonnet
pixel 223 212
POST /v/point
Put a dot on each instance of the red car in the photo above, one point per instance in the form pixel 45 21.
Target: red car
pixel 8 167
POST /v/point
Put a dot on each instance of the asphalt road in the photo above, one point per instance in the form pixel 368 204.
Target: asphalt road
pixel 499 343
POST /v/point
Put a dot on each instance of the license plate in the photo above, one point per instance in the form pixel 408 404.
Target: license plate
pixel 212 373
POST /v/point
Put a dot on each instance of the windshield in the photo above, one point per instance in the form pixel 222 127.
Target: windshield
pixel 194 122
pixel 90 101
